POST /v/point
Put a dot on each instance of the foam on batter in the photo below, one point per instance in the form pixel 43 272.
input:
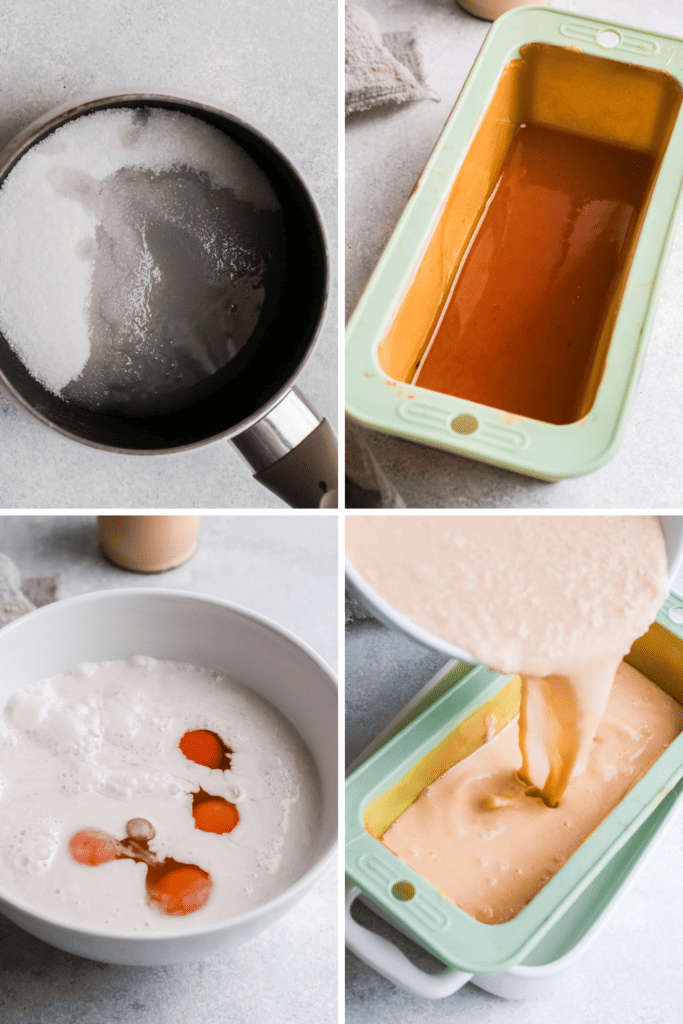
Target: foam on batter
pixel 97 747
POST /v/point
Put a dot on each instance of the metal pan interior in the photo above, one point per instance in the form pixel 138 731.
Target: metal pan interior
pixel 243 390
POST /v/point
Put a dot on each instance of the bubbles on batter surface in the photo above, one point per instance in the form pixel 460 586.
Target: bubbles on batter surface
pixel 85 668
pixel 120 725
pixel 268 859
pixel 61 728
pixel 142 661
pixel 9 737
pixel 33 846
pixel 280 778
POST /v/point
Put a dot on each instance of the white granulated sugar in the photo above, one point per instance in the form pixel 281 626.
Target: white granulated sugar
pixel 65 205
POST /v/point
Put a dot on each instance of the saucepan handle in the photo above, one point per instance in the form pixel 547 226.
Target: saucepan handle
pixel 293 452
pixel 387 960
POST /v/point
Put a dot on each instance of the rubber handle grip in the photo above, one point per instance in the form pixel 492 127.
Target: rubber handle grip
pixel 307 476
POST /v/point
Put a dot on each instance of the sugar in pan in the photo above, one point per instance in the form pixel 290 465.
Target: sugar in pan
pixel 138 246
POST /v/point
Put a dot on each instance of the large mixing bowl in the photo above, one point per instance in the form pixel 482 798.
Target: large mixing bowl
pixel 177 626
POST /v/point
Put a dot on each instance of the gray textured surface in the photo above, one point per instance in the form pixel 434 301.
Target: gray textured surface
pixel 385 153
pixel 272 63
pixel 631 974
pixel 284 567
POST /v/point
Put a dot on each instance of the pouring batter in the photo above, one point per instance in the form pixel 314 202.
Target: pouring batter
pixel 559 599
pixel 477 836
pixel 562 599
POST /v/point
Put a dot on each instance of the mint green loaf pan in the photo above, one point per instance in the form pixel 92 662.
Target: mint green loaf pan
pixel 628 95
pixel 449 729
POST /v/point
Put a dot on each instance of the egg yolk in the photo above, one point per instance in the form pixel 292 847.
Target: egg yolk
pixel 180 889
pixel 93 846
pixel 214 814
pixel 207 748
pixel 172 887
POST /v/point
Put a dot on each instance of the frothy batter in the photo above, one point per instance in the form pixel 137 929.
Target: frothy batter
pixel 559 599
pixel 92 752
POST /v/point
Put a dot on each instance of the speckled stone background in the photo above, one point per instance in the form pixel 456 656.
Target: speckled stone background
pixel 271 62
pixel 630 975
pixel 286 568
pixel 385 153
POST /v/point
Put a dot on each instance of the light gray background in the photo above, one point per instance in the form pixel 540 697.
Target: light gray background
pixel 284 567
pixel 385 153
pixel 632 972
pixel 271 62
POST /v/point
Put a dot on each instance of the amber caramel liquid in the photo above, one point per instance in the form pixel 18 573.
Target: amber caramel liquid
pixel 520 328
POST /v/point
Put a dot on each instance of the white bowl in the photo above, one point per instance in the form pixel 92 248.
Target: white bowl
pixel 672 529
pixel 178 626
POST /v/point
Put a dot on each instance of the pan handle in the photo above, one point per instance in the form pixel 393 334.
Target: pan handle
pixel 293 453
pixel 388 961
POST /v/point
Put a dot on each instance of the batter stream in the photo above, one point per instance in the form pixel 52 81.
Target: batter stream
pixel 560 600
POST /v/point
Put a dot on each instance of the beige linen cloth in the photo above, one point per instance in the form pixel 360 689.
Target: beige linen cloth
pixel 366 484
pixel 381 67
pixel 17 596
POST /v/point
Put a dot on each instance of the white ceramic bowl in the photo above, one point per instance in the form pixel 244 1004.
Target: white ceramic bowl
pixel 178 626
pixel 672 528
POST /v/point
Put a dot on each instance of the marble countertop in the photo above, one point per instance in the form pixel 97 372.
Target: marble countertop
pixel 385 153
pixel 272 63
pixel 286 568
pixel 631 973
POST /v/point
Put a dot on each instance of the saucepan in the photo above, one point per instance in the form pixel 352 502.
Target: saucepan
pixel 252 399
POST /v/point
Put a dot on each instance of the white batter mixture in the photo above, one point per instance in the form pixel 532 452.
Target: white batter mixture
pixel 98 747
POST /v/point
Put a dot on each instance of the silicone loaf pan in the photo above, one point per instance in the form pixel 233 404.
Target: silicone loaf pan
pixel 617 89
pixel 561 947
pixel 449 729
